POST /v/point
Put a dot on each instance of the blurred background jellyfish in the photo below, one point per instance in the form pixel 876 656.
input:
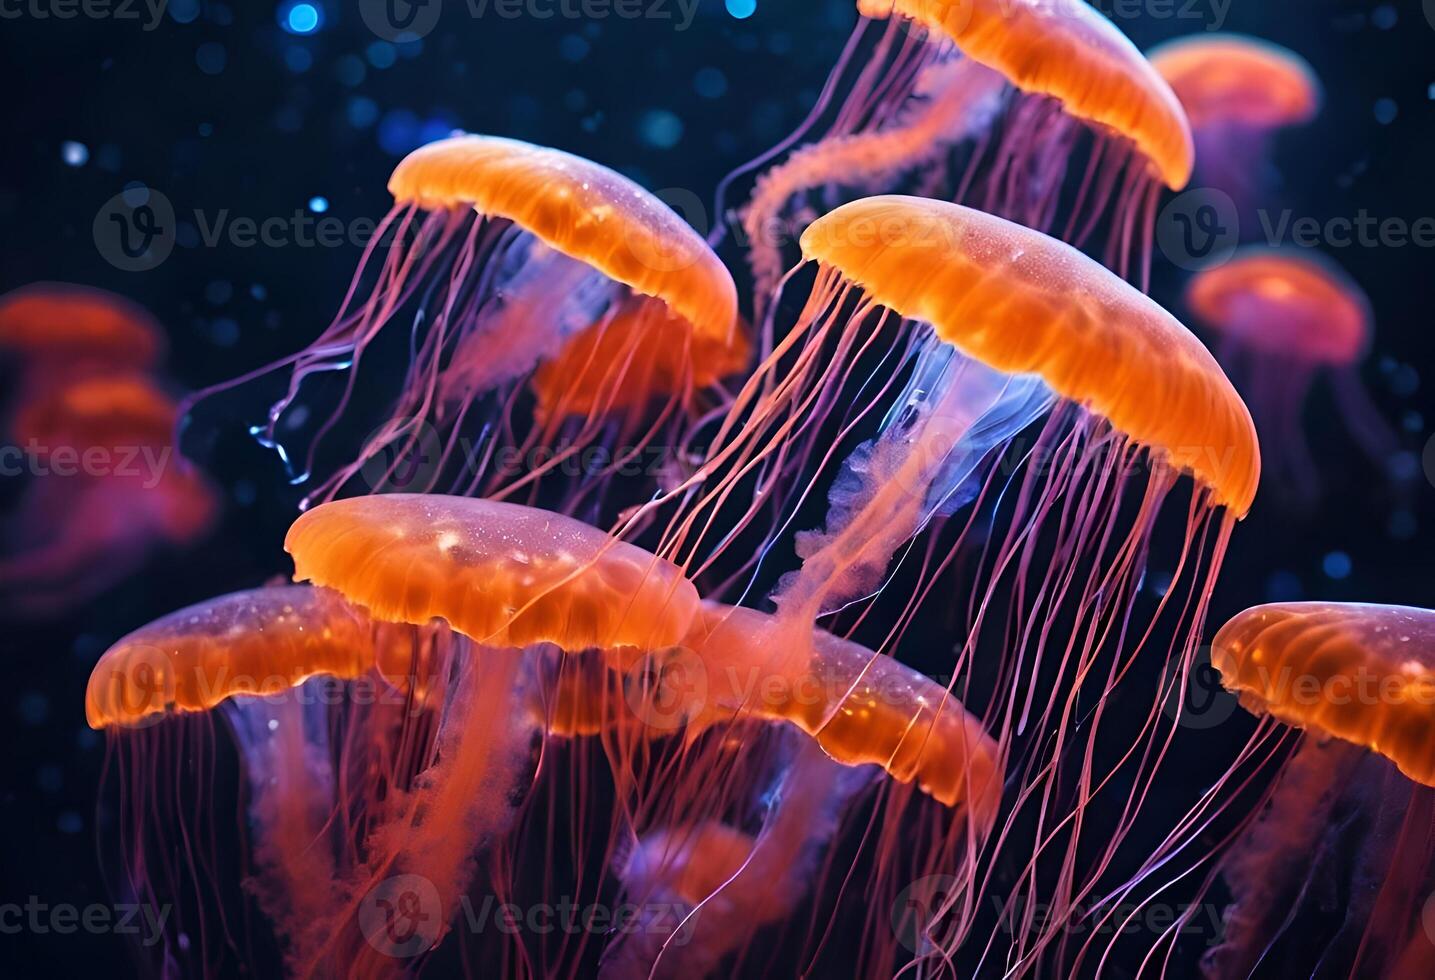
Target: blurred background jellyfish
pixel 551 305
pixel 990 104
pixel 104 492
pixel 1334 876
pixel 51 332
pixel 1280 319
pixel 1238 92
pixel 984 379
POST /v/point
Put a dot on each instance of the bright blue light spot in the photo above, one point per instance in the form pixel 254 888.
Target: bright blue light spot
pixel 318 204
pixel 301 18
pixel 1283 587
pixel 660 128
pixel 73 153
pixel 184 11
pixel 1385 111
pixel 741 9
pixel 1336 565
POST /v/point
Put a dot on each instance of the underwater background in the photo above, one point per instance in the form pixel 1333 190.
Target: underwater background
pixel 290 113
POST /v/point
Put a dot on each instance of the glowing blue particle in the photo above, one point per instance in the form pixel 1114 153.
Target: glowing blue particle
pixel 573 48
pixel 318 204
pixel 1385 111
pixel 300 18
pixel 741 9
pixel 710 83
pixel 1384 17
pixel 381 54
pixel 1283 587
pixel 73 153
pixel 1336 565
pixel 211 57
pixel 184 11
pixel 660 128
pixel 362 112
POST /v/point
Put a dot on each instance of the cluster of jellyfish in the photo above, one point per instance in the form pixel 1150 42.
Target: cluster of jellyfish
pixel 874 674
pixel 89 448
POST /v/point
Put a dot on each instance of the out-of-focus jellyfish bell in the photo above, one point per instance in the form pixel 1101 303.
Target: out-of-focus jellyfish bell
pixel 988 103
pixel 106 491
pixel 1280 319
pixel 523 269
pixel 52 331
pixel 1238 92
pixel 1334 876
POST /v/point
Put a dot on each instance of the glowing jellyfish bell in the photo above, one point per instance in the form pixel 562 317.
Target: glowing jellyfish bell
pixel 1281 319
pixel 1238 93
pixel 985 331
pixel 988 103
pixel 523 268
pixel 430 602
pixel 1360 679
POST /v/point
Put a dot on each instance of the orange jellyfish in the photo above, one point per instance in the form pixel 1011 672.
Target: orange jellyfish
pixel 992 104
pixel 53 330
pixel 826 727
pixel 1334 875
pixel 105 491
pixel 1238 93
pixel 524 273
pixel 403 782
pixel 1280 319
pixel 1030 415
